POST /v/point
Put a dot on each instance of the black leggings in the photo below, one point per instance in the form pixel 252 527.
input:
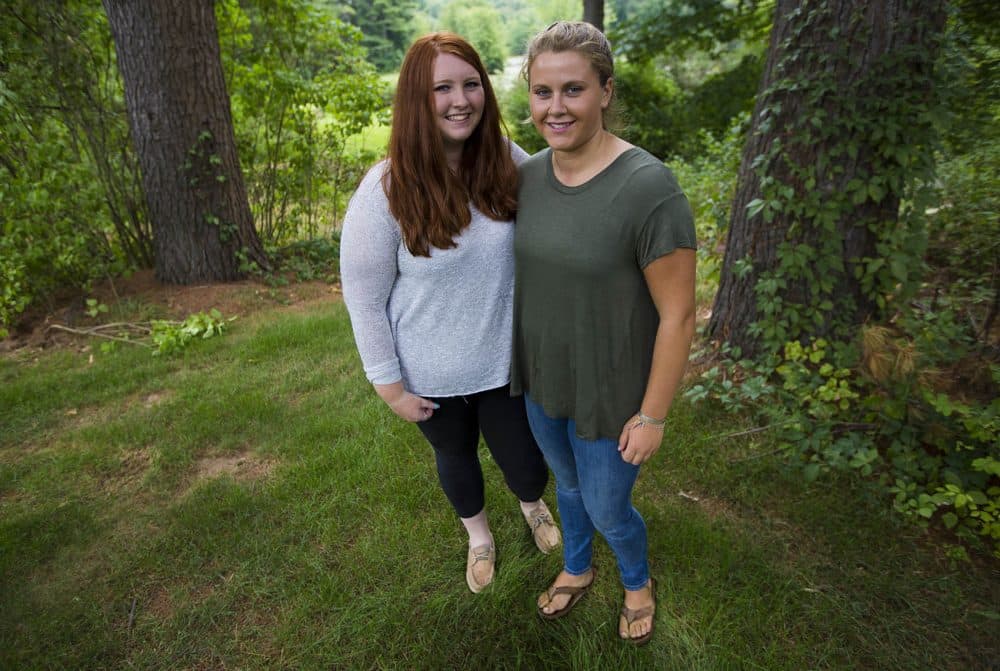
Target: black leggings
pixel 453 432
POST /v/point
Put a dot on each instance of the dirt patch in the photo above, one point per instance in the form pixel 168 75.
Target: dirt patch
pixel 154 399
pixel 243 467
pixel 240 466
pixel 159 604
pixel 141 297
pixel 229 298
pixel 132 469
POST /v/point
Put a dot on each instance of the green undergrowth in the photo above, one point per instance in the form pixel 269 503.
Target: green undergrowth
pixel 249 503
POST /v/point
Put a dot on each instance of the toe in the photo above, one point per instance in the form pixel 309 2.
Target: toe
pixel 547 603
pixel 642 627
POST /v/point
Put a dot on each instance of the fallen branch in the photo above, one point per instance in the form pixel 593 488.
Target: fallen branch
pixel 749 431
pixel 143 327
pixel 837 428
pixel 97 334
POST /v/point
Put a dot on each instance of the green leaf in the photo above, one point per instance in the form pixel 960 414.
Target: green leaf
pixel 811 472
pixel 899 269
pixel 754 207
pixel 978 497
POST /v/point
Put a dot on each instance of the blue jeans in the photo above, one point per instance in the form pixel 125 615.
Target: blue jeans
pixel 594 492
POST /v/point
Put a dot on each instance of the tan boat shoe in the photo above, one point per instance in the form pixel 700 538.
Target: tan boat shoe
pixel 543 528
pixel 479 567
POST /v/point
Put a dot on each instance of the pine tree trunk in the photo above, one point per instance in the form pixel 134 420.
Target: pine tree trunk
pixel 175 92
pixel 842 45
pixel 593 13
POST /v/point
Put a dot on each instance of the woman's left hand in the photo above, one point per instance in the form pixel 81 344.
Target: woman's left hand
pixel 639 441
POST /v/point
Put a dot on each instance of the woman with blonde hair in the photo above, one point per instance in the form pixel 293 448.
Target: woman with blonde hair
pixel 427 272
pixel 603 312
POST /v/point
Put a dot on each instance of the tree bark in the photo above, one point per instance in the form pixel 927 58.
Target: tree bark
pixel 593 13
pixel 839 45
pixel 182 127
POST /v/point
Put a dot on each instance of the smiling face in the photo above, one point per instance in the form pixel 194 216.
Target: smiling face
pixel 458 101
pixel 567 100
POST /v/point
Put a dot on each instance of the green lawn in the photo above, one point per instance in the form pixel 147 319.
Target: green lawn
pixel 251 504
pixel 372 138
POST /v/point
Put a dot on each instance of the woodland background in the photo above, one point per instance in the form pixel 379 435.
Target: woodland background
pixel 842 158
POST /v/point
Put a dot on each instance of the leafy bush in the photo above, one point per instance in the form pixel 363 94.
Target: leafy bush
pixel 53 223
pixel 517 117
pixel 964 241
pixel 709 181
pixel 480 23
pixel 70 208
pixel 883 408
pixel 300 87
pixel 650 99
pixel 668 117
pixel 316 259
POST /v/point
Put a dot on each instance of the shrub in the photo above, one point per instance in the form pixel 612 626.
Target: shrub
pixel 300 87
pixel 54 225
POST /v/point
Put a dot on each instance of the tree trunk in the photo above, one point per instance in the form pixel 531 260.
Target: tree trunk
pixel 175 92
pixel 593 13
pixel 818 175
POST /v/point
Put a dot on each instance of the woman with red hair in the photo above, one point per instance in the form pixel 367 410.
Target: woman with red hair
pixel 427 269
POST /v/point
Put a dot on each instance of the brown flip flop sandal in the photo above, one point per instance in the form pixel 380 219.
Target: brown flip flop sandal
pixel 575 594
pixel 638 614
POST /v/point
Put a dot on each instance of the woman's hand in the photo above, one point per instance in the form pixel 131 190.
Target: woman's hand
pixel 639 441
pixel 413 408
pixel 409 406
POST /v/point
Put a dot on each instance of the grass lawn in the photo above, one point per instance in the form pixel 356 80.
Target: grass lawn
pixel 373 138
pixel 251 504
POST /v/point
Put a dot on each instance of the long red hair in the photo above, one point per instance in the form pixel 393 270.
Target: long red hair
pixel 430 202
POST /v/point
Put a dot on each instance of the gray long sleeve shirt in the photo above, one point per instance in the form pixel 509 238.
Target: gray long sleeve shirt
pixel 441 324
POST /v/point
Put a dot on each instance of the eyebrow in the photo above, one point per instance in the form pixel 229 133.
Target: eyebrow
pixel 575 82
pixel 449 80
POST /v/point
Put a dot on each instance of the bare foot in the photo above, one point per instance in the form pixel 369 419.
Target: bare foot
pixel 642 605
pixel 555 603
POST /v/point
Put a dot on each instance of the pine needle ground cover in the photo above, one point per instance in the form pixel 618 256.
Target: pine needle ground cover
pixel 249 503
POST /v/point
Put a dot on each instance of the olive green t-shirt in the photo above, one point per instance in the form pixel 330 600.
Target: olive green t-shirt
pixel 584 322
